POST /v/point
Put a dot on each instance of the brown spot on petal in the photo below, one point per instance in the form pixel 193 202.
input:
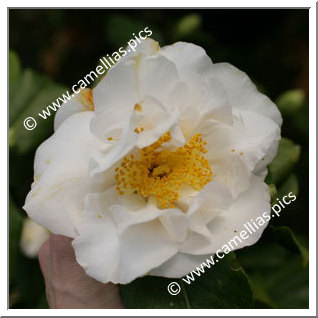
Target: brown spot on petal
pixel 138 108
pixel 85 97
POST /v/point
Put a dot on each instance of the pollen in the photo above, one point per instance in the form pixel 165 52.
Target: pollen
pixel 158 172
pixel 110 138
pixel 138 108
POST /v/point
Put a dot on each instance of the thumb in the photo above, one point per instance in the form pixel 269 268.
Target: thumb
pixel 67 285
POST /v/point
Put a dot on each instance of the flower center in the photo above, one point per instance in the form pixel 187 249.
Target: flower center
pixel 160 172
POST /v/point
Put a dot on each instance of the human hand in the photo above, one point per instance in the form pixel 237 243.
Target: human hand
pixel 67 285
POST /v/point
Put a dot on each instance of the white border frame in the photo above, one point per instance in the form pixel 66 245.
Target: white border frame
pixel 312 161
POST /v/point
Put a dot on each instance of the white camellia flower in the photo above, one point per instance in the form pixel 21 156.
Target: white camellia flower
pixel 157 167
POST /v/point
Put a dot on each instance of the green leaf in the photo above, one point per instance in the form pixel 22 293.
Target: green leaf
pixel 290 102
pixel 15 226
pixel 286 287
pixel 14 71
pixel 42 304
pixel 29 281
pixel 31 95
pixel 291 184
pixel 288 239
pixel 287 156
pixel 187 25
pixel 26 88
pixel 261 294
pixel 151 292
pixel 24 273
pixel 221 286
pixel 276 274
pixel 125 27
pixel 272 192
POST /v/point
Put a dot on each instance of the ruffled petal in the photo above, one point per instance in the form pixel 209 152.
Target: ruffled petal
pixel 235 151
pixel 115 97
pixel 107 255
pixel 81 102
pixel 248 207
pixel 144 128
pixel 179 265
pixel 189 58
pixel 242 93
pixel 56 200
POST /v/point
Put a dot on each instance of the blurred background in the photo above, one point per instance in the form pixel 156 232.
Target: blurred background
pixel 50 50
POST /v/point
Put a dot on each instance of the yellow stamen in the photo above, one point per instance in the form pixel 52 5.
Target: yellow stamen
pixel 160 172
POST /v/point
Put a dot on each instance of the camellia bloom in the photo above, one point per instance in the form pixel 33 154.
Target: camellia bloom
pixel 159 166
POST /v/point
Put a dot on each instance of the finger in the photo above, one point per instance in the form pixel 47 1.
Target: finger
pixel 63 256
pixel 44 258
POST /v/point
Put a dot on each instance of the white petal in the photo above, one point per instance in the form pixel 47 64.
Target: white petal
pixel 223 228
pixel 147 47
pixel 254 138
pixel 120 258
pixel 115 97
pixel 235 151
pixel 213 200
pixel 61 176
pixel 157 76
pixel 83 101
pixel 155 119
pixel 250 205
pixel 242 93
pixel 189 58
pixel 128 83
pixel 131 210
pixel 231 172
pixel 205 94
pixel 179 265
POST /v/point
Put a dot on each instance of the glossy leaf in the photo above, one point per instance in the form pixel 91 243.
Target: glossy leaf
pixel 221 286
pixel 188 25
pixel 32 94
pixel 291 184
pixel 14 71
pixel 287 156
pixel 276 274
pixel 15 226
pixel 291 102
pixel 288 239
